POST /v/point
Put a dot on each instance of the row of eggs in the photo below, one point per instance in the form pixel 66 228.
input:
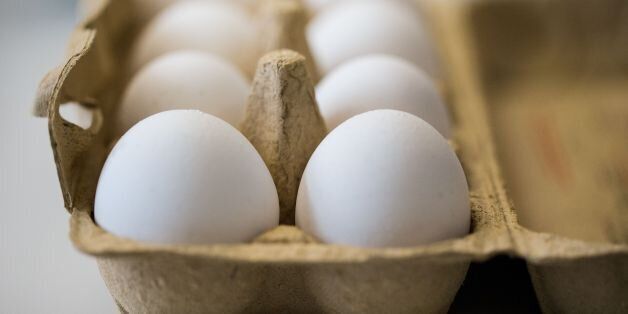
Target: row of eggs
pixel 340 31
pixel 381 178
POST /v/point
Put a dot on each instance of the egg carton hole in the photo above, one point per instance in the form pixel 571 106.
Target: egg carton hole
pixel 81 114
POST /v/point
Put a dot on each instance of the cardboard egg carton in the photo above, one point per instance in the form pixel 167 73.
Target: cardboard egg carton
pixel 285 270
pixel 549 78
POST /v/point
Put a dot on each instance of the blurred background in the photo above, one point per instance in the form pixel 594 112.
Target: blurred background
pixel 40 271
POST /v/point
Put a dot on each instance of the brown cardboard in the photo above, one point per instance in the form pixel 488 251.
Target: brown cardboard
pixel 283 123
pixel 285 269
pixel 552 76
pixel 285 22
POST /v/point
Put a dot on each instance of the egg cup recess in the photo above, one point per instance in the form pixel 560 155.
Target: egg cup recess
pixel 283 269
pixel 282 102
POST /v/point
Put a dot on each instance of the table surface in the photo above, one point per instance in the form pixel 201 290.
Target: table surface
pixel 40 271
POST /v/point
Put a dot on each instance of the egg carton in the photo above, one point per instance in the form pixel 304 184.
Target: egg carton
pixel 285 270
pixel 547 77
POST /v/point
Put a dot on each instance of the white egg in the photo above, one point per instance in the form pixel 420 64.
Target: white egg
pixel 318 5
pixel 185 177
pixel 184 80
pixel 146 9
pixel 380 82
pixel 355 28
pixel 384 178
pixel 218 27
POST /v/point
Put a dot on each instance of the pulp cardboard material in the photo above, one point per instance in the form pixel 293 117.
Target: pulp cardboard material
pixel 283 123
pixel 552 76
pixel 286 269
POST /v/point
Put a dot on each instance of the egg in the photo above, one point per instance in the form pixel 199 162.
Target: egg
pixel 218 27
pixel 380 82
pixel 354 28
pixel 318 5
pixel 146 9
pixel 384 178
pixel 185 177
pixel 184 80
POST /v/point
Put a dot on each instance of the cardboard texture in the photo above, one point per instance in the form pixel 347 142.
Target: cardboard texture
pixel 552 77
pixel 283 123
pixel 285 270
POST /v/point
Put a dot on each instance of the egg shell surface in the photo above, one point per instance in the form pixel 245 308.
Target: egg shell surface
pixel 354 28
pixel 219 27
pixel 319 5
pixel 380 82
pixel 384 178
pixel 185 80
pixel 185 177
pixel 147 9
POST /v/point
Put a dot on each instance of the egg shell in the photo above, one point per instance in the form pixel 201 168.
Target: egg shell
pixel 218 27
pixel 185 80
pixel 380 82
pixel 146 9
pixel 354 28
pixel 318 5
pixel 384 178
pixel 185 177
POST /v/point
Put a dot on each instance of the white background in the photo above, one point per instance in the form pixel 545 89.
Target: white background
pixel 40 271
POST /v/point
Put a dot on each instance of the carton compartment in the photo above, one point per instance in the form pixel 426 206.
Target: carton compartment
pixel 282 269
pixel 111 30
pixel 99 72
pixel 563 149
pixel 554 75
